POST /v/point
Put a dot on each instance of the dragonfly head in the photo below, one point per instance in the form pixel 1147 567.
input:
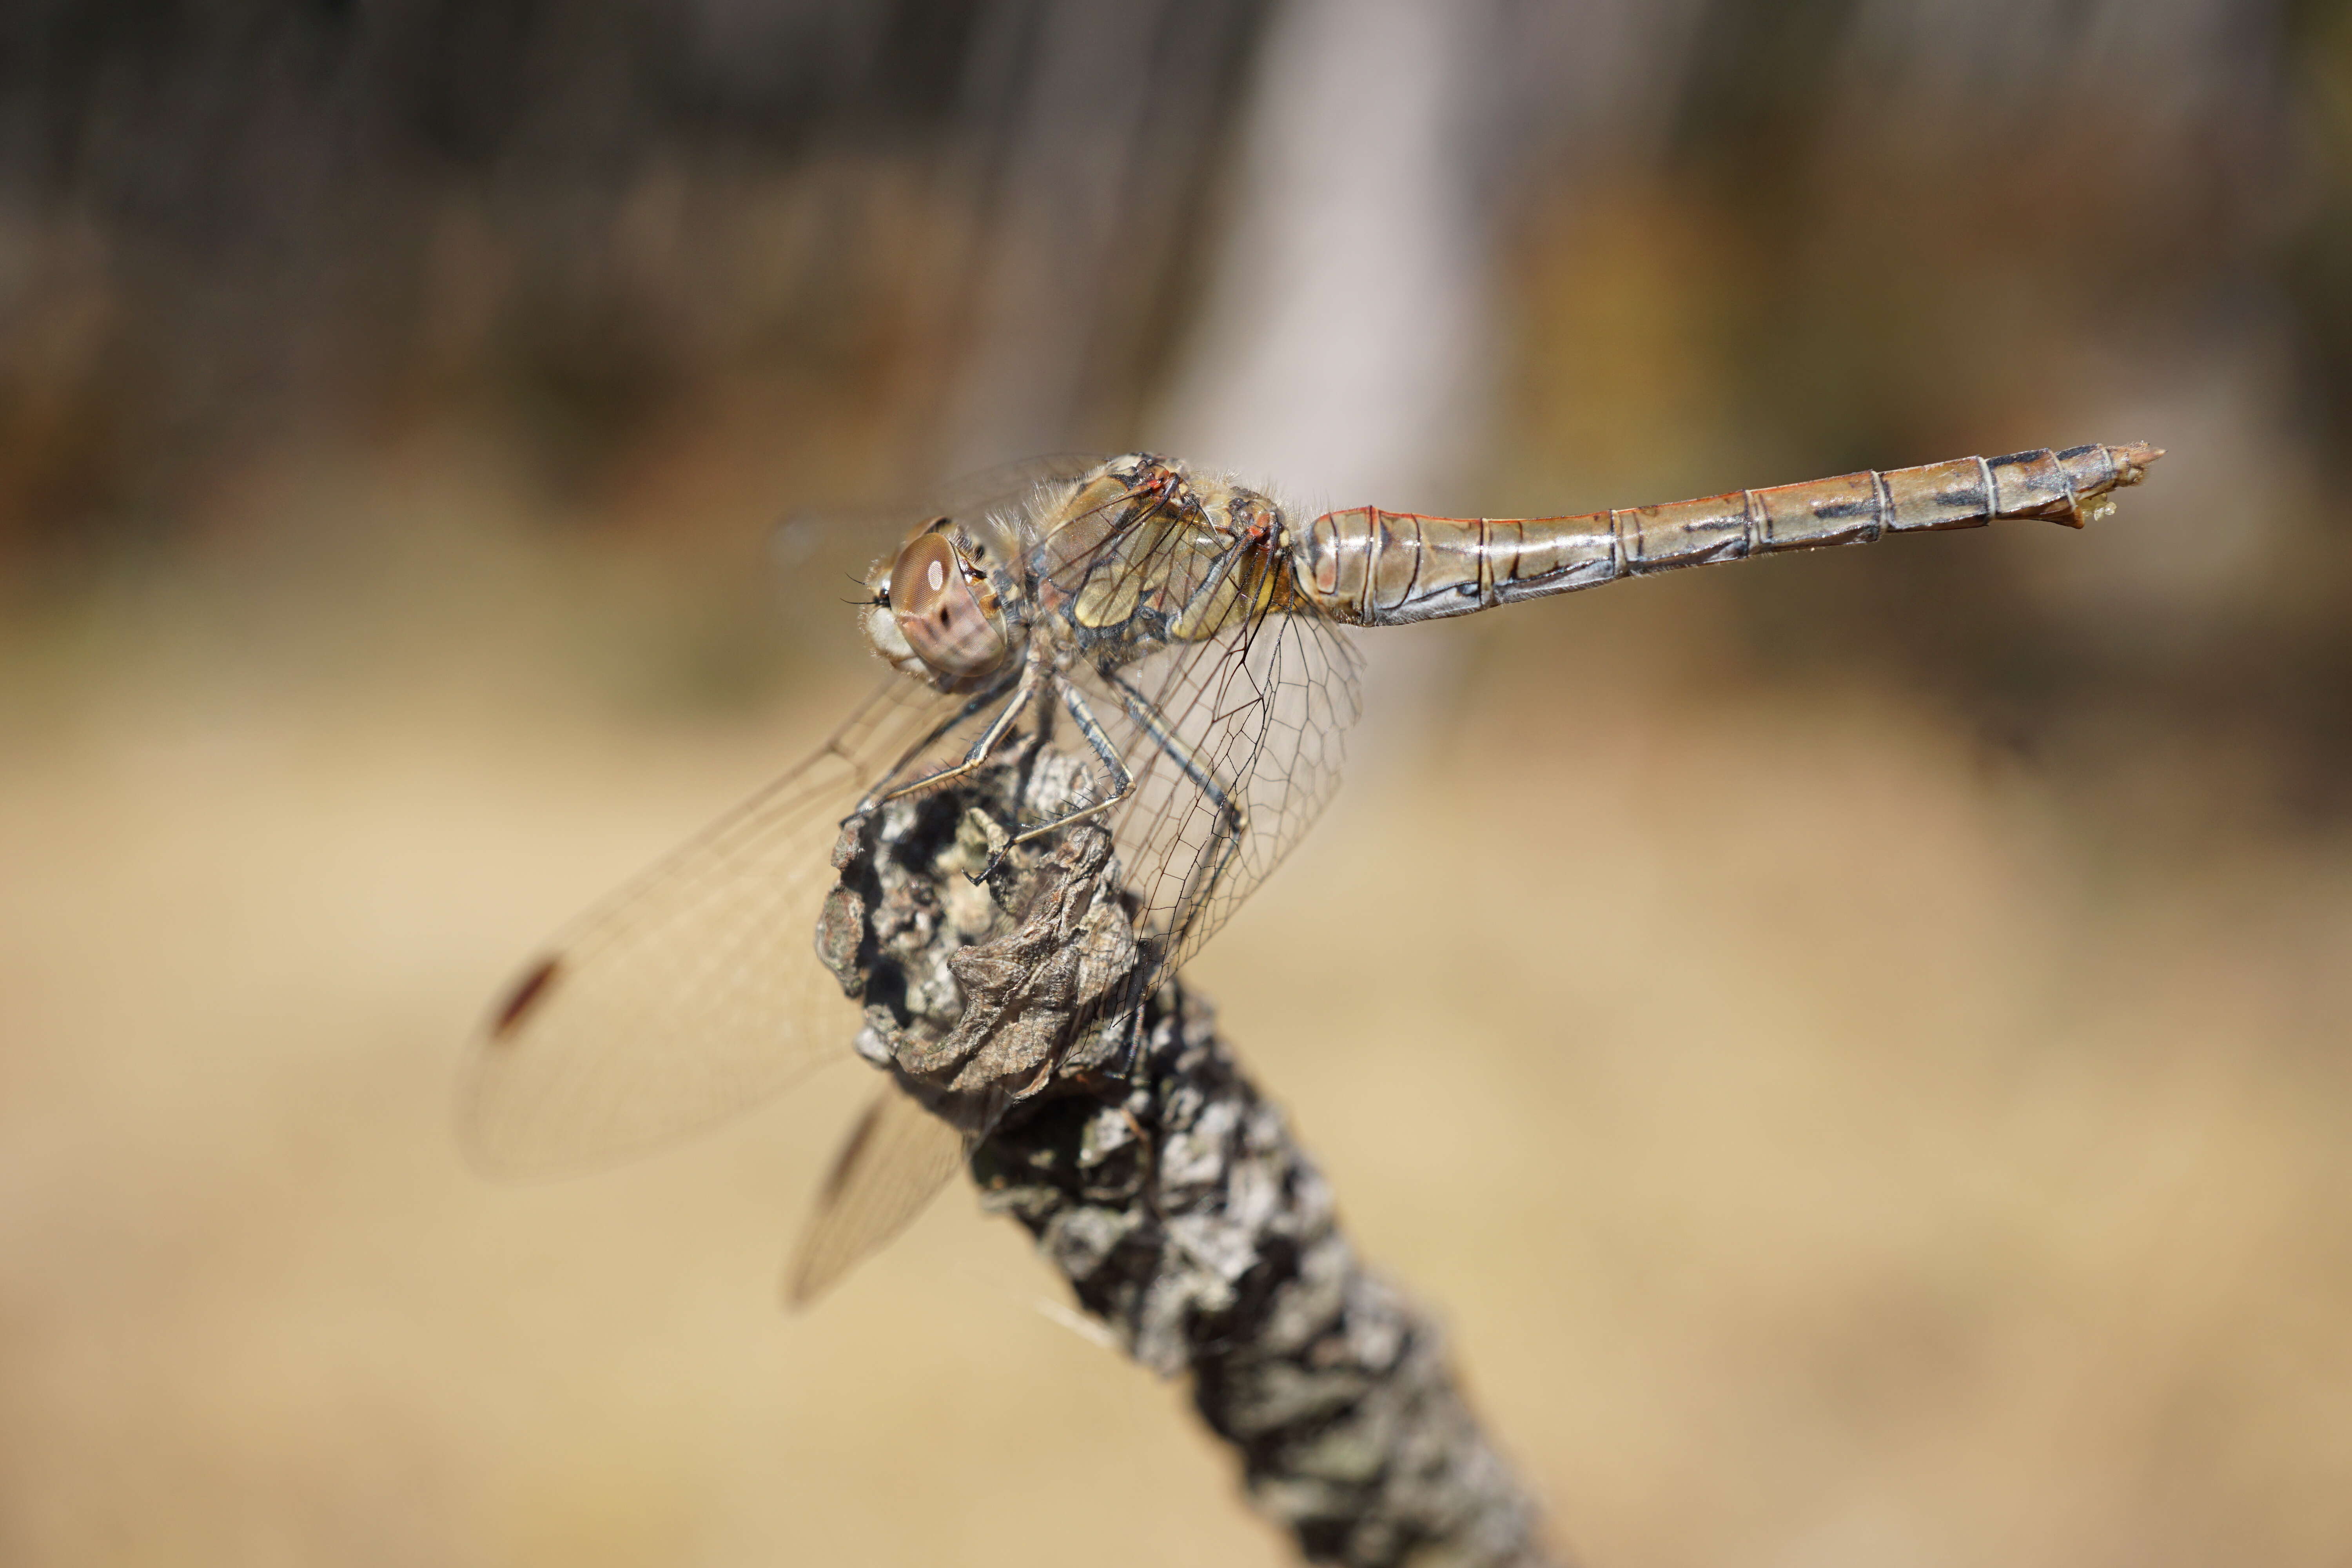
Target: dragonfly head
pixel 937 611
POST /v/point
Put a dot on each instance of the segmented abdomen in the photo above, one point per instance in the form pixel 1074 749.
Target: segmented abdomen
pixel 1385 568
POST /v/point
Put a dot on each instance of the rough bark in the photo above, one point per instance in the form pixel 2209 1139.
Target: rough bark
pixel 1120 1130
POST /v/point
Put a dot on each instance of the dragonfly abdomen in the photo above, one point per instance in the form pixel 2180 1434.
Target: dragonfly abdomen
pixel 1386 568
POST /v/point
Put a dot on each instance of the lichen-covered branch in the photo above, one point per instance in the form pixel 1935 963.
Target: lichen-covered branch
pixel 1120 1128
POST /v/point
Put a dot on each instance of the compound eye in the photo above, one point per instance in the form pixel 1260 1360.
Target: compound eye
pixel 939 614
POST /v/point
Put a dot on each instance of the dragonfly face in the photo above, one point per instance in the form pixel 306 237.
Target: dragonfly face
pixel 942 609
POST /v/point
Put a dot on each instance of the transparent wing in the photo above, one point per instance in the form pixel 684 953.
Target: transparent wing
pixel 1235 737
pixel 1236 744
pixel 694 991
pixel 1008 485
pixel 836 534
pixel 896 1160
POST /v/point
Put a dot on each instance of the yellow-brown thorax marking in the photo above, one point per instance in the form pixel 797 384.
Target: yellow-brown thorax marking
pixel 1143 554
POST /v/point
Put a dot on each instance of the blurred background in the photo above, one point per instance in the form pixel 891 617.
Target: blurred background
pixel 1906 1117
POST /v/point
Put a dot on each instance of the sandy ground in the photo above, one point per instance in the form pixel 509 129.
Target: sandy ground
pixel 1829 1146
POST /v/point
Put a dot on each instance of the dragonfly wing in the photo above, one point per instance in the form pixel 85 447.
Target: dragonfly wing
pixel 1255 717
pixel 894 1161
pixel 694 991
pixel 823 533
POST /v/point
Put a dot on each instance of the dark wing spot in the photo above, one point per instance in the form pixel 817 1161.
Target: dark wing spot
pixel 529 992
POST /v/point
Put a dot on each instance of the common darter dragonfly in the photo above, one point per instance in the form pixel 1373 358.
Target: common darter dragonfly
pixel 1189 642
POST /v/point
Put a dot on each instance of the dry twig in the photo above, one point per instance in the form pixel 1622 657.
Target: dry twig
pixel 1123 1133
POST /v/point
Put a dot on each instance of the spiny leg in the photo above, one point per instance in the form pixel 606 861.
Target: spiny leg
pixel 1032 676
pixel 1232 819
pixel 929 739
pixel 1122 782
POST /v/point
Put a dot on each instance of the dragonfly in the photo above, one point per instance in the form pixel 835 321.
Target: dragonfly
pixel 1190 643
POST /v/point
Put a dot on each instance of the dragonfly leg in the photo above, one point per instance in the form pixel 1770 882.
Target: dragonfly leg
pixel 876 796
pixel 1233 818
pixel 1122 782
pixel 1032 676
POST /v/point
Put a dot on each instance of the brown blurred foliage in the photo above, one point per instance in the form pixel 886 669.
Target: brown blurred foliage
pixel 1876 1045
pixel 640 244
pixel 590 228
